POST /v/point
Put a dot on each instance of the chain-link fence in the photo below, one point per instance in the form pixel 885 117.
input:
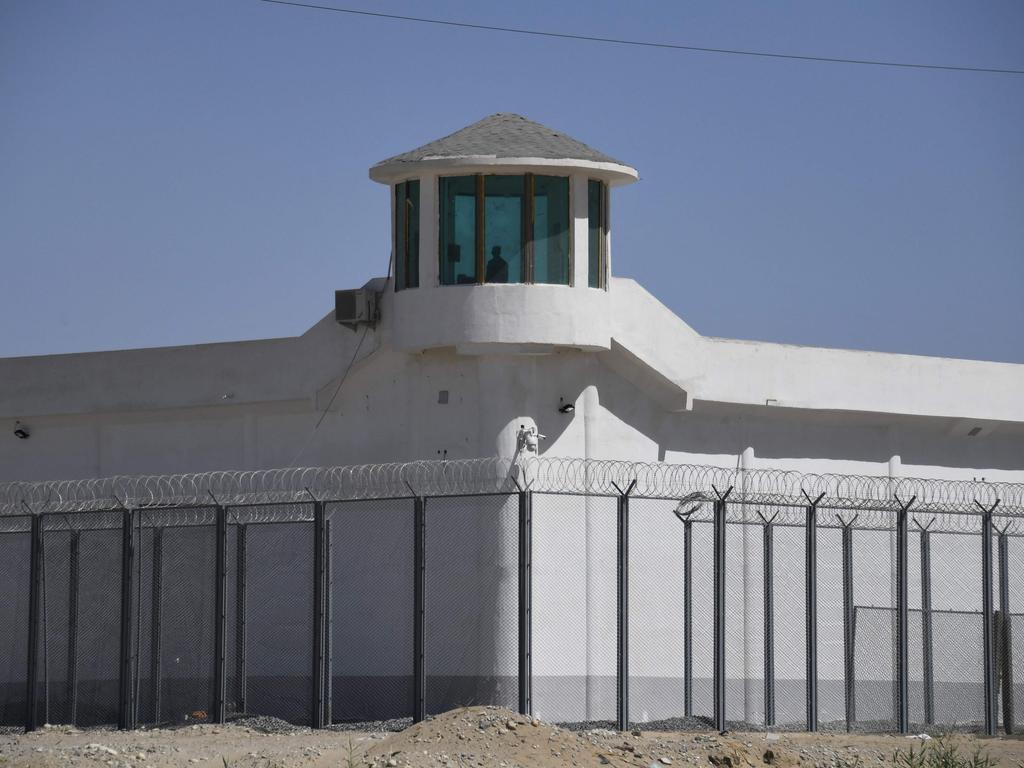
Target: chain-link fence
pixel 15 577
pixel 711 607
pixel 574 608
pixel 372 609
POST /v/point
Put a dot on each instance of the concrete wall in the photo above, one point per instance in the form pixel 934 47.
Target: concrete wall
pixel 254 404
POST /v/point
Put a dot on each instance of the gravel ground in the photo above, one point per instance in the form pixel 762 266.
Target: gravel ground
pixel 473 737
pixel 374 726
pixel 696 724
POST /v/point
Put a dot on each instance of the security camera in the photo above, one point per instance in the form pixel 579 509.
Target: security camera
pixel 21 431
pixel 529 439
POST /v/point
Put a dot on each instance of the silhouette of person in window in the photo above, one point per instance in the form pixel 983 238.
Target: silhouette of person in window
pixel 497 267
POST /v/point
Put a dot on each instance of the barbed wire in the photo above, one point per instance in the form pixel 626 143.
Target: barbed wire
pixel 953 505
pixel 255 487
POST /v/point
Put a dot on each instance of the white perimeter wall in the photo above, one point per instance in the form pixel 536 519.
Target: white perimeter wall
pixel 650 396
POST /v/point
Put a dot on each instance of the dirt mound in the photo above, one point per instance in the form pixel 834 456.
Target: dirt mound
pixel 474 737
pixel 491 736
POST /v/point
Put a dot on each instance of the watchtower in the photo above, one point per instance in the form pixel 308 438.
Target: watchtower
pixel 501 239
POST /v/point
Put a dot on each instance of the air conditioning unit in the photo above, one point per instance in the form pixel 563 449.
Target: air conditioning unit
pixel 356 307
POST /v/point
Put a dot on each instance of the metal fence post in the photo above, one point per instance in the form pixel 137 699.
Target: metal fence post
pixel 768 559
pixel 1005 639
pixel 156 621
pixel 419 673
pixel 848 623
pixel 928 671
pixel 220 614
pixel 126 689
pixel 988 652
pixel 902 621
pixel 720 510
pixel 811 597
pixel 45 638
pixel 241 683
pixel 34 604
pixel 73 591
pixel 319 611
pixel 525 602
pixel 688 617
pixel 329 631
pixel 622 609
pixel 853 663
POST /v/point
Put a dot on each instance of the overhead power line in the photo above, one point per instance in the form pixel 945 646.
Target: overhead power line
pixel 644 43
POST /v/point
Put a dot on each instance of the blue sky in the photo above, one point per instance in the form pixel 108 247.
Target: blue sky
pixel 185 171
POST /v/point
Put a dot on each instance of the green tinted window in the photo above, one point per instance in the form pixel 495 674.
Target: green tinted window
pixel 551 229
pixel 595 244
pixel 504 198
pixel 458 230
pixel 504 229
pixel 407 235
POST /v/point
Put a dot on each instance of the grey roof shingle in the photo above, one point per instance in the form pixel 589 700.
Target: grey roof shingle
pixel 504 135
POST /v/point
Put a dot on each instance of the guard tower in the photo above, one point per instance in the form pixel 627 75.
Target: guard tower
pixel 501 240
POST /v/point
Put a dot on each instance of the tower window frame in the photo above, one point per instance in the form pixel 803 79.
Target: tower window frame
pixel 452 266
pixel 597 235
pixel 406 234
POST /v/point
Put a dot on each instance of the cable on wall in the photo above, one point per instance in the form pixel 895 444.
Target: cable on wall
pixel 337 389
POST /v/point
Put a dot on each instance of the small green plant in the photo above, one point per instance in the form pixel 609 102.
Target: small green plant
pixel 940 753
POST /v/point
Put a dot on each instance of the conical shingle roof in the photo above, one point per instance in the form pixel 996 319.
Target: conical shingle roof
pixel 504 135
pixel 504 139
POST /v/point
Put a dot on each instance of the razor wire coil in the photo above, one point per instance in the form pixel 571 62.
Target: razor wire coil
pixel 946 505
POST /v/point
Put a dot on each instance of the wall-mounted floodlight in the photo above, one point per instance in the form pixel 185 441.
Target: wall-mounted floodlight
pixel 564 407
pixel 21 431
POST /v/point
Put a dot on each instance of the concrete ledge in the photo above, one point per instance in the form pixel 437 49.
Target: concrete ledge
pixel 515 316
